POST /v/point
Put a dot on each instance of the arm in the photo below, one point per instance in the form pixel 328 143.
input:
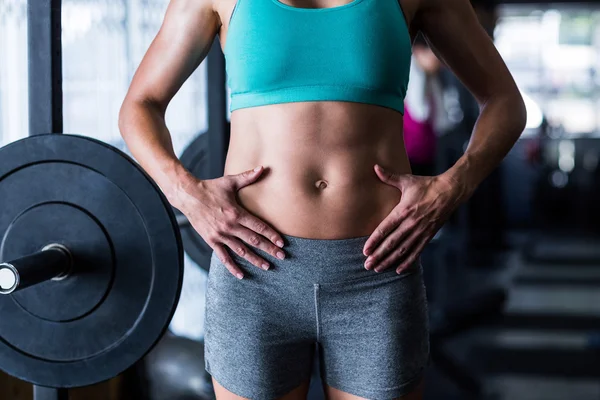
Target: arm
pixel 183 41
pixel 452 29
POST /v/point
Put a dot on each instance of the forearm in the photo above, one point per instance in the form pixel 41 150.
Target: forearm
pixel 144 130
pixel 498 127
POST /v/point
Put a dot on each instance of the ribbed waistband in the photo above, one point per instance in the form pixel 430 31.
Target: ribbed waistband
pixel 310 246
pixel 319 260
pixel 393 100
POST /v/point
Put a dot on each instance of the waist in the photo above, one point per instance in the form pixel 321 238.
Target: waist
pixel 318 261
pixel 293 208
pixel 319 180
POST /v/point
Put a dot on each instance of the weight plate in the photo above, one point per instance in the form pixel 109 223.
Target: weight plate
pixel 126 279
pixel 195 160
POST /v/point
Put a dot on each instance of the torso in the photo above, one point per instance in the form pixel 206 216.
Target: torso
pixel 319 156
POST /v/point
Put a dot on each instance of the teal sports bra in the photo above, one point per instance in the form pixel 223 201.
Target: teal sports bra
pixel 357 52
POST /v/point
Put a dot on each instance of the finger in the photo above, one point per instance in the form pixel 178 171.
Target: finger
pixel 259 226
pixel 226 260
pixel 414 255
pixel 388 177
pixel 258 241
pixel 246 178
pixel 385 227
pixel 400 252
pixel 239 248
pixel 396 239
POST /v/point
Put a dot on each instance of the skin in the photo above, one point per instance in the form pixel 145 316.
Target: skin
pixel 426 59
pixel 327 170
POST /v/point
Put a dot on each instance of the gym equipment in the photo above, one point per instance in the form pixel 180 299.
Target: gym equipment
pixel 550 327
pixel 456 314
pixel 97 261
pixel 175 370
pixel 92 258
pixel 552 250
pixel 546 275
pixel 566 192
pixel 92 254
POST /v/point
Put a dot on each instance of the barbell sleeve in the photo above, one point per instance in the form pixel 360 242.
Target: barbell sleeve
pixel 53 262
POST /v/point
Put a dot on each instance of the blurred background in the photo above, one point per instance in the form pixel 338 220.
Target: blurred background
pixel 513 279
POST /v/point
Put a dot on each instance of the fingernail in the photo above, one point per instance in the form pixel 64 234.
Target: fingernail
pixel 265 266
pixel 279 243
pixel 378 269
pixel 257 168
pixel 239 275
pixel 368 264
pixel 280 255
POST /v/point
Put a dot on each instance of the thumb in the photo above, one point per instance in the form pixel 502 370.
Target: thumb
pixel 247 177
pixel 388 177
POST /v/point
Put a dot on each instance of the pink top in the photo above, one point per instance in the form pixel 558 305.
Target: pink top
pixel 419 139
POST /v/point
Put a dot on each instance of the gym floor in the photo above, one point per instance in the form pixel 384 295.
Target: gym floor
pixel 546 345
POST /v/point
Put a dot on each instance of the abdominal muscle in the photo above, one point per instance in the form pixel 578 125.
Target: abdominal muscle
pixel 319 180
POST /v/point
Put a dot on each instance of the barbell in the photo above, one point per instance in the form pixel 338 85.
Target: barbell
pixel 92 261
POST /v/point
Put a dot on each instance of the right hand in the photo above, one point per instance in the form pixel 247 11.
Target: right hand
pixel 213 211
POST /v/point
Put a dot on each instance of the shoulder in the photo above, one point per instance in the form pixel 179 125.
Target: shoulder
pixel 433 12
pixel 440 8
pixel 190 6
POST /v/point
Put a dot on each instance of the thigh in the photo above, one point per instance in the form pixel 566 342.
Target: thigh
pixel 298 393
pixel 375 334
pixel 332 393
pixel 252 347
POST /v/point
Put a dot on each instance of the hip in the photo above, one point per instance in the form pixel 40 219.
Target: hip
pixel 322 279
pixel 312 262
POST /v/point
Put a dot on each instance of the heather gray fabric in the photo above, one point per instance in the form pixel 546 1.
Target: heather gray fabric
pixel 371 328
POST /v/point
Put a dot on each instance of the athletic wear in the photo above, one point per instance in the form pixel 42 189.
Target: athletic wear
pixel 358 52
pixel 371 329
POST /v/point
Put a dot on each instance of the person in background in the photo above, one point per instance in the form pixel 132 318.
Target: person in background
pixel 424 114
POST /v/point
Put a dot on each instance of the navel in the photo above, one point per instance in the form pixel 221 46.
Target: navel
pixel 321 184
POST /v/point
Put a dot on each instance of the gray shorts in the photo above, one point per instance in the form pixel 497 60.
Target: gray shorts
pixel 371 328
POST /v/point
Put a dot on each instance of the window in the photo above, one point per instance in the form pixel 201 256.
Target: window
pixel 13 71
pixel 552 54
pixel 103 44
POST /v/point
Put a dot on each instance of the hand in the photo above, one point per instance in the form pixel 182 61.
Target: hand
pixel 425 205
pixel 213 211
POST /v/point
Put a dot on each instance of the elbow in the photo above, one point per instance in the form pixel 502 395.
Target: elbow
pixel 126 115
pixel 123 117
pixel 519 112
pixel 132 111
pixel 508 106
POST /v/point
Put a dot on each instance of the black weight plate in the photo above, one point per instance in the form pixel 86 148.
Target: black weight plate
pixel 93 267
pixel 126 280
pixel 195 160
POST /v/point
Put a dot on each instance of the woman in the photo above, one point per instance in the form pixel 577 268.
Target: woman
pixel 317 189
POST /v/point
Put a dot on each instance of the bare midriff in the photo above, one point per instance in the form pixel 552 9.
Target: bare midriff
pixel 319 181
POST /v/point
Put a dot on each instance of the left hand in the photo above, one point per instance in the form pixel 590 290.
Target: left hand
pixel 426 203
